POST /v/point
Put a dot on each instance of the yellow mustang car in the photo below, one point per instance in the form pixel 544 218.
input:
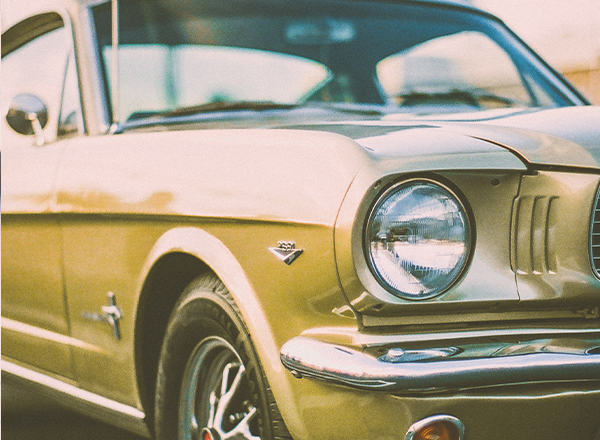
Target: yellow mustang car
pixel 308 219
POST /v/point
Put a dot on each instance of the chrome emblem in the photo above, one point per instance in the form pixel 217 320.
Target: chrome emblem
pixel 286 251
pixel 111 314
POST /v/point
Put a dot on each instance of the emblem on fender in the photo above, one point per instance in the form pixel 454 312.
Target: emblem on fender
pixel 286 251
pixel 110 314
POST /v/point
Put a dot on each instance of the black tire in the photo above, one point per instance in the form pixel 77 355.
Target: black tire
pixel 209 374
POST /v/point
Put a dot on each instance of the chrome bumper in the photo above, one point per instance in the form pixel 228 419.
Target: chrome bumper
pixel 448 368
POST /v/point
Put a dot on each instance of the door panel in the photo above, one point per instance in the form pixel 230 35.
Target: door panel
pixel 34 321
pixel 35 328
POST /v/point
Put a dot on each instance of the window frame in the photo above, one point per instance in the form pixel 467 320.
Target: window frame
pixel 32 28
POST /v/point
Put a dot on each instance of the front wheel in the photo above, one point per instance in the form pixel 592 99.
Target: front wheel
pixel 210 384
pixel 215 399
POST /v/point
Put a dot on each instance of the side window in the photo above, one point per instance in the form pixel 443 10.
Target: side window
pixel 37 78
pixel 70 121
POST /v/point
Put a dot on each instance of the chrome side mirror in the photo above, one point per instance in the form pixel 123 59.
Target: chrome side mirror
pixel 28 115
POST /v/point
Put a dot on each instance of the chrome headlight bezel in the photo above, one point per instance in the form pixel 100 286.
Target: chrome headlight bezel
pixel 462 208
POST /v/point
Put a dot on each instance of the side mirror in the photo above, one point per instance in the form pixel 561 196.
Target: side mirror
pixel 28 115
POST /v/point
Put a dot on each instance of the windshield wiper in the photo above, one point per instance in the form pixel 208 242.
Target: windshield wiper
pixel 159 117
pixel 348 107
pixel 211 107
pixel 473 98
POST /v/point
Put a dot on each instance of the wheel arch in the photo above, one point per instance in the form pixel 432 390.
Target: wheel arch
pixel 178 257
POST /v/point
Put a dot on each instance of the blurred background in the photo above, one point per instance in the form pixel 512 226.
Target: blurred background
pixel 566 33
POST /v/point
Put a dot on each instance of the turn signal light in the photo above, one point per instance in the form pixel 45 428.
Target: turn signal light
pixel 442 427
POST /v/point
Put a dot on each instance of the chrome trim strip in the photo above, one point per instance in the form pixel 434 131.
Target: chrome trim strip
pixel 37 332
pixel 72 57
pixel 97 117
pixel 115 62
pixel 415 427
pixel 94 405
pixel 356 338
pixel 306 357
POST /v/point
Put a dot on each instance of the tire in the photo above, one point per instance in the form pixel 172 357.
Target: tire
pixel 210 383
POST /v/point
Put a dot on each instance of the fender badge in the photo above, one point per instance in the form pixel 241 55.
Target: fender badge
pixel 286 251
pixel 111 314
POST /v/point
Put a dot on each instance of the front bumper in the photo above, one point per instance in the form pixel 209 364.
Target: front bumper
pixel 409 370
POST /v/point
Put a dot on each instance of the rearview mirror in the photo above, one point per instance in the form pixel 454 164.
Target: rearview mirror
pixel 320 32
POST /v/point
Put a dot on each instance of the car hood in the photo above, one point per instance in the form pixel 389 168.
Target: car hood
pixel 557 137
pixel 564 137
pixel 561 137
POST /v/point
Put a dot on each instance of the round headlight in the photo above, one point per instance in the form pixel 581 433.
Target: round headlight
pixel 417 239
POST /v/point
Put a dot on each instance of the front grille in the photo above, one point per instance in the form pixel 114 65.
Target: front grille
pixel 595 236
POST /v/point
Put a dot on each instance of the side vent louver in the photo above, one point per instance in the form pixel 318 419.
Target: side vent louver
pixel 534 235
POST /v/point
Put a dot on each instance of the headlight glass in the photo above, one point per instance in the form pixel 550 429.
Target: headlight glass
pixel 417 239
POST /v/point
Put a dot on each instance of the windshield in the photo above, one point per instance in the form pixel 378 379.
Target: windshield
pixel 402 57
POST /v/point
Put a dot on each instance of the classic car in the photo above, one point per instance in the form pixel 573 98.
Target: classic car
pixel 308 219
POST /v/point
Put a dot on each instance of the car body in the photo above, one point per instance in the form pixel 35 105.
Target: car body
pixel 347 193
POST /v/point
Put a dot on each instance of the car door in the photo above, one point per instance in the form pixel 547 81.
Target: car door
pixel 40 108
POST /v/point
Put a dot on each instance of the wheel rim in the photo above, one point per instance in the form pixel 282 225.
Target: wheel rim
pixel 216 403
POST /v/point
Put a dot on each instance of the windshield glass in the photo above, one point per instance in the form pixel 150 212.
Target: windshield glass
pixel 402 57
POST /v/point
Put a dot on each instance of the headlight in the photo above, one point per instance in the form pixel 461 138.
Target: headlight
pixel 417 239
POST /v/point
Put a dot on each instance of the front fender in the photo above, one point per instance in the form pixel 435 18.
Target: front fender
pixel 219 258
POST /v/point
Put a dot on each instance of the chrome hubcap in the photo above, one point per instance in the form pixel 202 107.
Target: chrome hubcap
pixel 215 400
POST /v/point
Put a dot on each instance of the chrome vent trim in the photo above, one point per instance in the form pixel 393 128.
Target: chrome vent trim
pixel 533 250
pixel 595 236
